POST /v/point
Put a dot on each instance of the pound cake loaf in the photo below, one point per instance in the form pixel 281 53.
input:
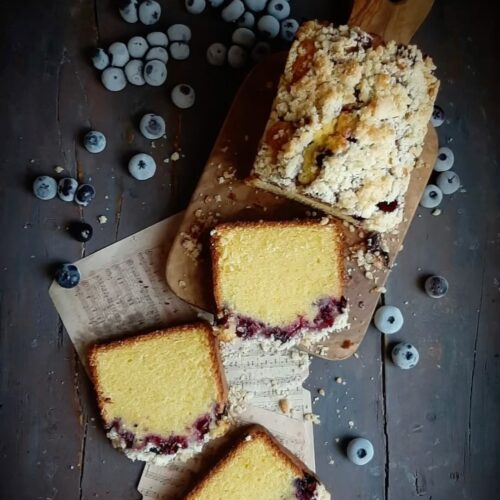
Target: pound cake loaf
pixel 161 395
pixel 348 124
pixel 259 468
pixel 279 281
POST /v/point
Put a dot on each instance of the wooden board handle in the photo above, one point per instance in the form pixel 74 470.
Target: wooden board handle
pixel 392 20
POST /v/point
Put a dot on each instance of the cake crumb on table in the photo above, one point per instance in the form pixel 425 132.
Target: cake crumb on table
pixel 312 417
pixel 284 405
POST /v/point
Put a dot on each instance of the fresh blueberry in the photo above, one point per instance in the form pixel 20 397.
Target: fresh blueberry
pixel 149 12
pixel 288 29
pixel 261 50
pixel 216 54
pixel 81 231
pixel 119 54
pixel 244 37
pixel 152 126
pixel 137 46
pixel 269 26
pixel 437 118
pixel 159 53
pixel 195 6
pixel 179 33
pixel 183 96
pixel 157 39
pixel 179 51
pixel 448 182
pixel 84 194
pixel 256 5
pixel 142 166
pixel 100 59
pixel 67 275
pixel 45 187
pixel 114 79
pixel 436 287
pixel 155 73
pixel 278 9
pixel 405 356
pixel 236 56
pixel 360 451
pixel 128 11
pixel 94 141
pixel 388 319
pixel 215 3
pixel 444 160
pixel 431 197
pixel 247 20
pixel 233 11
pixel 134 71
pixel 66 188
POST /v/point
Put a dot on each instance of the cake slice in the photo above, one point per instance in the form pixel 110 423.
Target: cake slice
pixel 161 395
pixel 348 124
pixel 259 468
pixel 279 281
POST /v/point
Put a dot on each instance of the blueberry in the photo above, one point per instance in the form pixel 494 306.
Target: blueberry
pixel 405 356
pixel 45 187
pixel 152 126
pixel 158 53
pixel 179 51
pixel 261 50
pixel 67 275
pixel 360 451
pixel 216 54
pixel 155 73
pixel 183 96
pixel 448 182
pixel 388 319
pixel 157 39
pixel 256 5
pixel 134 71
pixel 137 46
pixel 437 118
pixel 244 37
pixel 128 11
pixel 100 59
pixel 236 56
pixel 436 287
pixel 195 6
pixel 431 197
pixel 84 194
pixel 149 12
pixel 288 29
pixel 215 3
pixel 444 160
pixel 81 231
pixel 179 33
pixel 233 11
pixel 66 188
pixel 94 141
pixel 269 26
pixel 114 79
pixel 142 166
pixel 278 9
pixel 247 20
pixel 119 54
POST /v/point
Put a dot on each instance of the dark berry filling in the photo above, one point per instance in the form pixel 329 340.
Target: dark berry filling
pixel 305 487
pixel 388 206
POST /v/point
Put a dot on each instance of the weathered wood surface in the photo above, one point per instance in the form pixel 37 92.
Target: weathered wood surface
pixel 434 428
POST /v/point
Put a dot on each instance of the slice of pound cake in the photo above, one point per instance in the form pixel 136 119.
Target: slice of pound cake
pixel 259 468
pixel 161 395
pixel 348 124
pixel 279 281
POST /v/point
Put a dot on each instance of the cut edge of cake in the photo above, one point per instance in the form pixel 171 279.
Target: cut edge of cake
pixel 125 440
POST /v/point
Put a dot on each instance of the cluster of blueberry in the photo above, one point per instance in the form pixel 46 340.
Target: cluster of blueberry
pixel 446 181
pixel 142 60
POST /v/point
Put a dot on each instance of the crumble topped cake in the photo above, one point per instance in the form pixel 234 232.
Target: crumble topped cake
pixel 347 125
pixel 161 395
pixel 259 468
pixel 279 281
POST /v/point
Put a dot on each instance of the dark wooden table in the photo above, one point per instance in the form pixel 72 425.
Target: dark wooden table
pixel 434 428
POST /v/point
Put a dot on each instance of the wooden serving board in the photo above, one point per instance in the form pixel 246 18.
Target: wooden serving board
pixel 221 195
